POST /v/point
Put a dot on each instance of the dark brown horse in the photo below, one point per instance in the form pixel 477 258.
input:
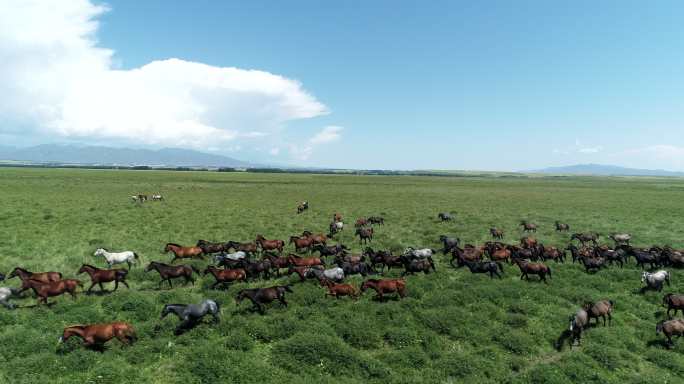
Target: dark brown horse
pixel 528 227
pixel 301 243
pixel 304 261
pixel 270 245
pixel 277 263
pixel 209 247
pixel 248 248
pixel 24 274
pixel 527 268
pixel 181 252
pixel 584 238
pixel 225 276
pixel 385 286
pixel 337 290
pixel 552 253
pixel 94 335
pixel 261 296
pixel 317 239
pixel 99 276
pixel 53 288
pixel 560 227
pixel 168 272
pixel 364 234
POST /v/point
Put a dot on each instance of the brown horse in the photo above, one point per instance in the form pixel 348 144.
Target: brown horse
pixel 261 296
pixel 209 247
pixel 500 255
pixel 168 272
pixel 23 274
pixel 225 276
pixel 552 253
pixel 301 243
pixel 527 268
pixel 99 276
pixel 601 308
pixel 304 261
pixel 673 301
pixel 496 233
pixel 317 239
pixel 51 289
pixel 181 252
pixel 249 248
pixel 671 328
pixel 337 290
pixel 528 227
pixel 95 335
pixel 337 217
pixel 364 234
pixel 468 253
pixel 528 242
pixel 560 227
pixel 270 245
pixel 360 222
pixel 385 286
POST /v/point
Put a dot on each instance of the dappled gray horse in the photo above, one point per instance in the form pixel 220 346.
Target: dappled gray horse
pixel 334 274
pixel 5 294
pixel 191 314
pixel 655 280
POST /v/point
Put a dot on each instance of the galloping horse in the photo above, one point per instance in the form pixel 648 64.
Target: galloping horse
pixel 113 258
pixel 527 226
pixel 304 261
pixel 225 276
pixel 23 274
pixel 99 276
pixel 270 245
pixel 51 289
pixel 385 286
pixel 301 243
pixel 364 234
pixel 527 268
pixel 209 247
pixel 95 335
pixel 337 290
pixel 181 252
pixel 191 314
pixel 168 272
pixel 261 296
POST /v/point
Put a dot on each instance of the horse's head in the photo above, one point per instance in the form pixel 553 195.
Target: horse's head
pixel 165 311
pixel 15 272
pixel 644 276
pixel 209 269
pixel 83 268
pixel 659 326
pixel 240 296
pixel 150 266
pixel 99 252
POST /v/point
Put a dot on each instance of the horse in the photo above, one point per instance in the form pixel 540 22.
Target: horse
pixel 261 296
pixel 335 227
pixel 95 335
pixel 577 324
pixel 601 308
pixel 499 254
pixel 209 247
pixel 620 238
pixel 277 262
pixel 335 274
pixel 655 280
pixel 337 290
pixel 584 238
pixel 490 267
pixel 139 198
pixel 448 243
pixel 417 265
pixel 99 276
pixel 317 239
pixel 419 253
pixel 255 268
pixel 496 233
pixel 248 248
pixel 157 197
pixel 331 250
pixel 360 222
pixel 303 206
pixel 560 227
pixel 302 271
pixel 593 263
pixel 670 328
pixel 673 301
pixel 364 234
pixel 611 255
pixel 23 274
pixel 181 252
pixel 225 276
pixel 468 253
pixel 527 268
pixel 673 257
pixel 191 314
pixel 383 258
pixel 168 272
pixel 6 293
pixel 642 256
pixel 362 269
pixel 337 217
pixel 51 289
pixel 385 286
pixel 445 216
pixel 304 261
pixel 113 258
pixel 352 259
pixel 376 220
pixel 301 243
pixel 269 245
pixel 528 242
pixel 527 226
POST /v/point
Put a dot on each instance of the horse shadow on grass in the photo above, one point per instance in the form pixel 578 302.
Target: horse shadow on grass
pixel 566 336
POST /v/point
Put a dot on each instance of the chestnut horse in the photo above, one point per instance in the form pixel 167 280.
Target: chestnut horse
pixel 337 290
pixel 181 252
pixel 527 268
pixel 304 261
pixel 270 245
pixel 24 274
pixel 337 217
pixel 385 286
pixel 225 276
pixel 99 276
pixel 168 272
pixel 364 234
pixel 317 239
pixel 51 289
pixel 301 243
pixel 95 335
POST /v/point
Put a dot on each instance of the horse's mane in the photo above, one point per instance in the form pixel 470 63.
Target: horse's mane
pixel 372 281
pixel 174 244
pixel 22 269
pixel 90 266
pixel 81 326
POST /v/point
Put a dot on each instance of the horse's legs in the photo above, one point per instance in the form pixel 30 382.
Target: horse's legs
pixel 124 283
pixel 129 264
pixel 101 287
pixel 91 287
pixel 610 319
pixel 604 319
pixel 169 281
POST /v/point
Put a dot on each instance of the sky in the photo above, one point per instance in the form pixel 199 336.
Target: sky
pixel 481 85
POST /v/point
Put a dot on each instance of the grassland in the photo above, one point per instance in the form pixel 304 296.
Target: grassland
pixel 453 327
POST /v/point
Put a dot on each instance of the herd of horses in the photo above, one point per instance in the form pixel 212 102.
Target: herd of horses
pixel 330 264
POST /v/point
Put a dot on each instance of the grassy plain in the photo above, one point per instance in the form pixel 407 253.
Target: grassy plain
pixel 453 327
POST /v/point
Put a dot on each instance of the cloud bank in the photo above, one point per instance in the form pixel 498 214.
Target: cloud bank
pixel 56 81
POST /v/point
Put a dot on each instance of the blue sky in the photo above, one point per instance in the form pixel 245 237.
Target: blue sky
pixel 375 84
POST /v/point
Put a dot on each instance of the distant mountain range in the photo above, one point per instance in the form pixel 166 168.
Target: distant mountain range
pixel 605 170
pixel 97 155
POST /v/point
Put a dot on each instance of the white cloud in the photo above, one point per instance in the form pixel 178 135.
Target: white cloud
pixel 578 147
pixel 327 135
pixel 654 156
pixel 56 80
pixel 595 149
pixel 275 151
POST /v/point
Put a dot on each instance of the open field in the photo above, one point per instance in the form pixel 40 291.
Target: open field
pixel 453 327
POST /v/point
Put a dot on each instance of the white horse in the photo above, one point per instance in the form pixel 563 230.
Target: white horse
pixel 5 294
pixel 655 280
pixel 419 253
pixel 157 197
pixel 235 256
pixel 112 258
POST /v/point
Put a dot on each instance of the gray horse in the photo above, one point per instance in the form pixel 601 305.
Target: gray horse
pixel 334 274
pixel 5 294
pixel 191 314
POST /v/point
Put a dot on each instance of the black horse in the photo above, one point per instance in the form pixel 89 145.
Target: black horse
pixel 449 243
pixel 362 269
pixel 445 216
pixel 330 250
pixel 255 269
pixel 376 220
pixel 261 296
pixel 490 267
pixel 191 314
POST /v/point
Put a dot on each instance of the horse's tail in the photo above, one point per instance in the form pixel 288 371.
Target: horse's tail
pixel 659 327
pixel 135 256
pixel 121 273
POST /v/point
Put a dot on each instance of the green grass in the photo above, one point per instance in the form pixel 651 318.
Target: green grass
pixel 453 327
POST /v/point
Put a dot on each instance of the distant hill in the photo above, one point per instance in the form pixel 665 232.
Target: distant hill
pixel 605 170
pixel 97 155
